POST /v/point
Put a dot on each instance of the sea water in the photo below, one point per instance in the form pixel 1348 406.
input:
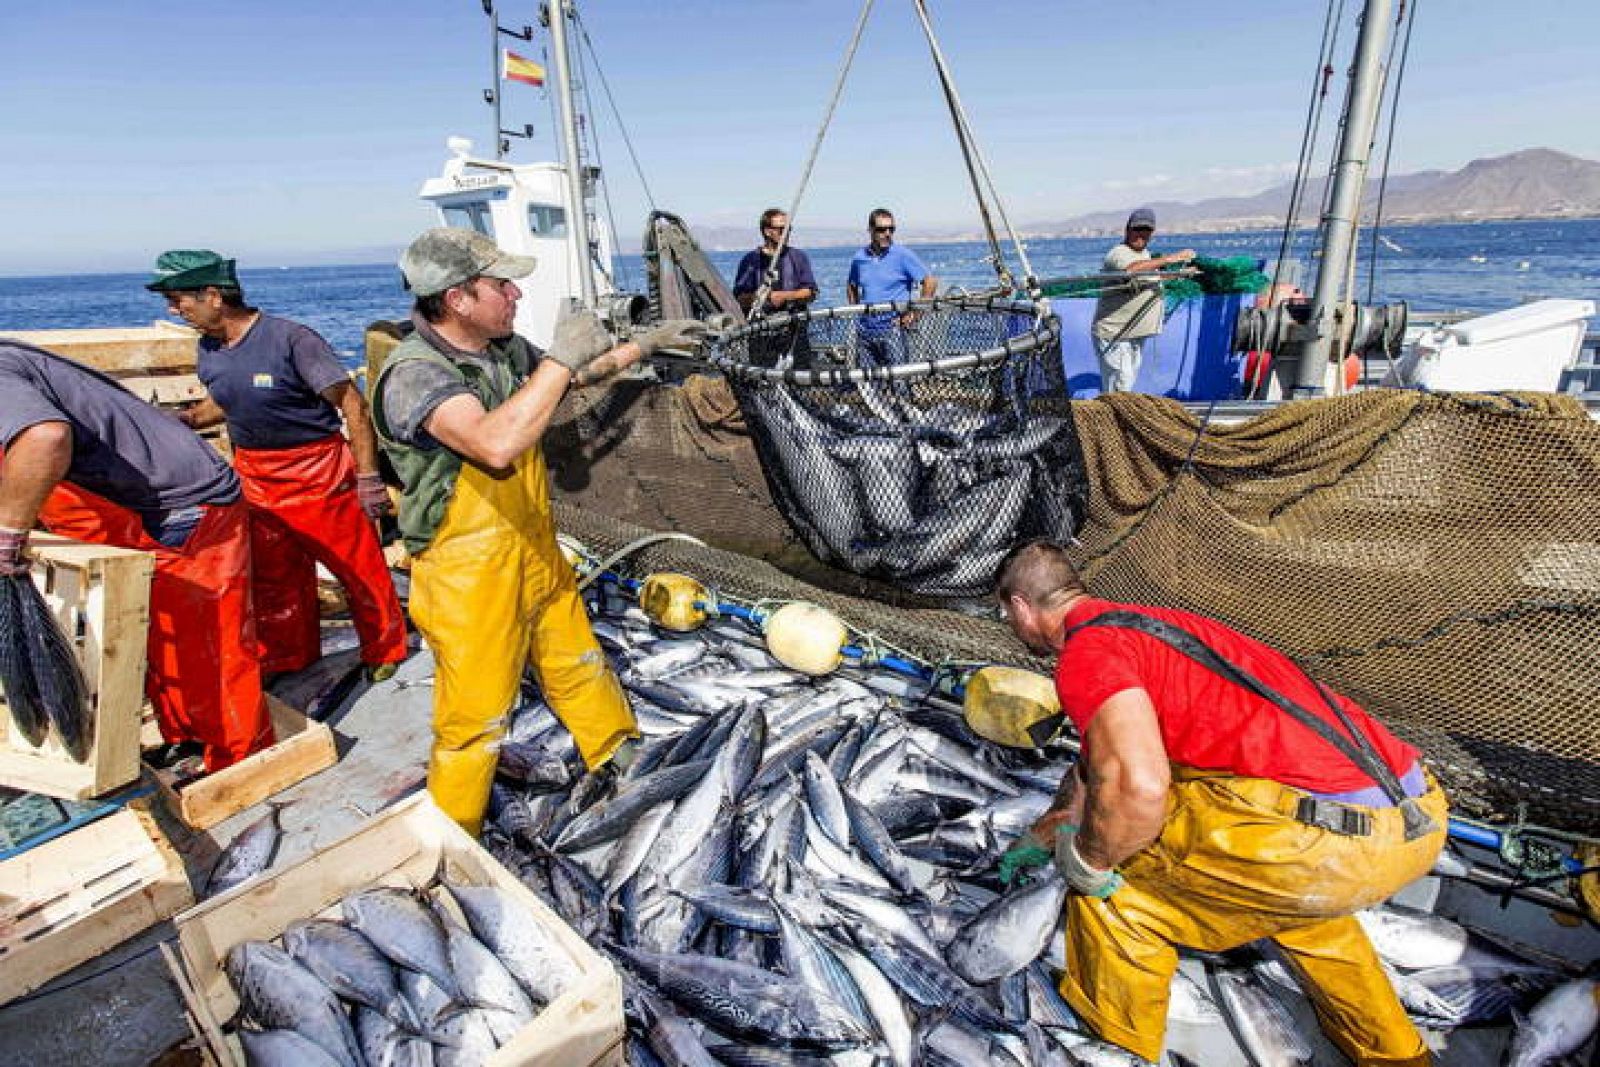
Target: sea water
pixel 1472 268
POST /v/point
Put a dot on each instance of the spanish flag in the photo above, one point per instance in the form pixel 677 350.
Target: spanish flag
pixel 518 69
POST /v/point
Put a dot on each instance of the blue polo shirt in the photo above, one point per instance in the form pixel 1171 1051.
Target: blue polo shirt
pixel 889 278
pixel 269 384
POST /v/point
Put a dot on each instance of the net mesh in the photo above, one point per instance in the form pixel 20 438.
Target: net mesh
pixel 1434 556
pixel 912 446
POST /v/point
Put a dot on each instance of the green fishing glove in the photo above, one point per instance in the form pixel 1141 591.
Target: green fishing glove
pixel 1023 856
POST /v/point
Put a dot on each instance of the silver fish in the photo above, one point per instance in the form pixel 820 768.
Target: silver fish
pixel 283 1048
pixel 1010 933
pixel 544 968
pixel 281 994
pixel 405 930
pixel 1558 1025
pixel 248 854
pixel 1263 1026
pixel 351 966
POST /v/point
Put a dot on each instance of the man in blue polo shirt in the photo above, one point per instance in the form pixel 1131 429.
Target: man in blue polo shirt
pixel 883 273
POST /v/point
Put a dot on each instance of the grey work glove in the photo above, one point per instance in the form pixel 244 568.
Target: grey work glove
pixel 679 335
pixel 579 340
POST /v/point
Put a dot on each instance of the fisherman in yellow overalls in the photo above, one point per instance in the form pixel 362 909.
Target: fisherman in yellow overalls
pixel 461 407
pixel 1223 796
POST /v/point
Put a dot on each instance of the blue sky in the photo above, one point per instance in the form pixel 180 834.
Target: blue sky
pixel 293 131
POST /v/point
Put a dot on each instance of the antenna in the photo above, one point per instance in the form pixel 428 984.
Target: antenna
pixel 491 96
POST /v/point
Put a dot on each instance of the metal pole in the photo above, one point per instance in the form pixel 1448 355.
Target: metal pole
pixel 494 76
pixel 577 219
pixel 1349 174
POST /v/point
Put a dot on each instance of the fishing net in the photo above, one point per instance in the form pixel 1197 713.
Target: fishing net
pixel 1434 556
pixel 1232 274
pixel 911 446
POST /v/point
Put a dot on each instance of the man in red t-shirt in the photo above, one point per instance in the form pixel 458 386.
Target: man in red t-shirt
pixel 1222 796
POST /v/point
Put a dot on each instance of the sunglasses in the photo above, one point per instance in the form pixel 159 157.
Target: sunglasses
pixel 883 229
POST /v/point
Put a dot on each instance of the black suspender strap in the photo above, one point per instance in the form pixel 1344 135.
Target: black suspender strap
pixel 1356 747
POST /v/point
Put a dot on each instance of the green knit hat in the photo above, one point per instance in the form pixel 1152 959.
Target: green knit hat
pixel 188 268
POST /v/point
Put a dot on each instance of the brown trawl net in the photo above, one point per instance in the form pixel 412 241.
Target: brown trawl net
pixel 1436 557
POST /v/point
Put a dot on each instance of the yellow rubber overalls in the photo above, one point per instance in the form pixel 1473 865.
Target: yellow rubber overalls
pixel 1233 865
pixel 491 594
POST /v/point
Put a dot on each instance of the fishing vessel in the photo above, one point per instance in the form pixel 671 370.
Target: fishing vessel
pixel 1352 529
pixel 1328 528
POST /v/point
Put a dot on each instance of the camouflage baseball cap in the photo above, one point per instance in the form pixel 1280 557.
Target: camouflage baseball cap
pixel 192 268
pixel 445 256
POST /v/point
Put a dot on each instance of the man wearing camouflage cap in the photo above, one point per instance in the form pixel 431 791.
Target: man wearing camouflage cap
pixel 461 407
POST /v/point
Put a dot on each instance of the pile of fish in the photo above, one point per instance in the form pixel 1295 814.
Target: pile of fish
pixel 406 978
pixel 798 870
pixel 39 671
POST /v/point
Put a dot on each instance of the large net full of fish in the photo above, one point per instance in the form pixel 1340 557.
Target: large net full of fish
pixel 924 471
pixel 804 870
pixel 39 671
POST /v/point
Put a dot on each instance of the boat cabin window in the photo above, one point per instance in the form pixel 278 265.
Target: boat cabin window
pixel 473 215
pixel 547 220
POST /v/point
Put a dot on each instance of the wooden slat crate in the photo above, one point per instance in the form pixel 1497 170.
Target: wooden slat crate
pixel 73 898
pixel 402 846
pixel 118 350
pixel 303 748
pixel 102 594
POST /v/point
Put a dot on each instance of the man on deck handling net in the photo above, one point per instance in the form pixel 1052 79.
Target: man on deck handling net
pixel 461 407
pixel 1222 796
pixel 1128 313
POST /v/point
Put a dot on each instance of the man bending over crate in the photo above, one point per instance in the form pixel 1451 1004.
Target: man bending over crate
pixel 88 460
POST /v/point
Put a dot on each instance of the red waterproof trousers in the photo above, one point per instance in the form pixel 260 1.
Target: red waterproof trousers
pixel 304 511
pixel 203 675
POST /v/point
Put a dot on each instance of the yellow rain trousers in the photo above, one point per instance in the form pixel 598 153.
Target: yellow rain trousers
pixel 1232 865
pixel 492 593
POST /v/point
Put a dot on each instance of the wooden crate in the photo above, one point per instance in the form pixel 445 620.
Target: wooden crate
pixel 104 593
pixel 303 748
pixel 119 350
pixel 402 846
pixel 73 898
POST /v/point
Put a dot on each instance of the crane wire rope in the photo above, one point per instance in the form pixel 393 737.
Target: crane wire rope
pixel 592 133
pixel 770 277
pixel 976 165
pixel 1308 135
pixel 616 113
pixel 1408 11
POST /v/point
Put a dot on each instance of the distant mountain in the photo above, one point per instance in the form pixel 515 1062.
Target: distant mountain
pixel 1533 183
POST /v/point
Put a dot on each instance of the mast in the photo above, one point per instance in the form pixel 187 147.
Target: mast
pixel 556 13
pixel 493 92
pixel 1349 175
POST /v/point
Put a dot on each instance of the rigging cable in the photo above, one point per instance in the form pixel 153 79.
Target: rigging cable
pixel 1388 148
pixel 593 132
pixel 973 157
pixel 1308 135
pixel 770 278
pixel 615 113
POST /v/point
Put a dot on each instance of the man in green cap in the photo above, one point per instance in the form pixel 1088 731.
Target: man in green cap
pixel 312 494
pixel 461 407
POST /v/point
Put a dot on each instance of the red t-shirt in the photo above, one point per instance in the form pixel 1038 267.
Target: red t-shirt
pixel 1208 722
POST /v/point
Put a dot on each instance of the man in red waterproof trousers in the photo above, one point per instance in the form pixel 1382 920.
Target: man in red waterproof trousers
pixel 91 461
pixel 312 495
